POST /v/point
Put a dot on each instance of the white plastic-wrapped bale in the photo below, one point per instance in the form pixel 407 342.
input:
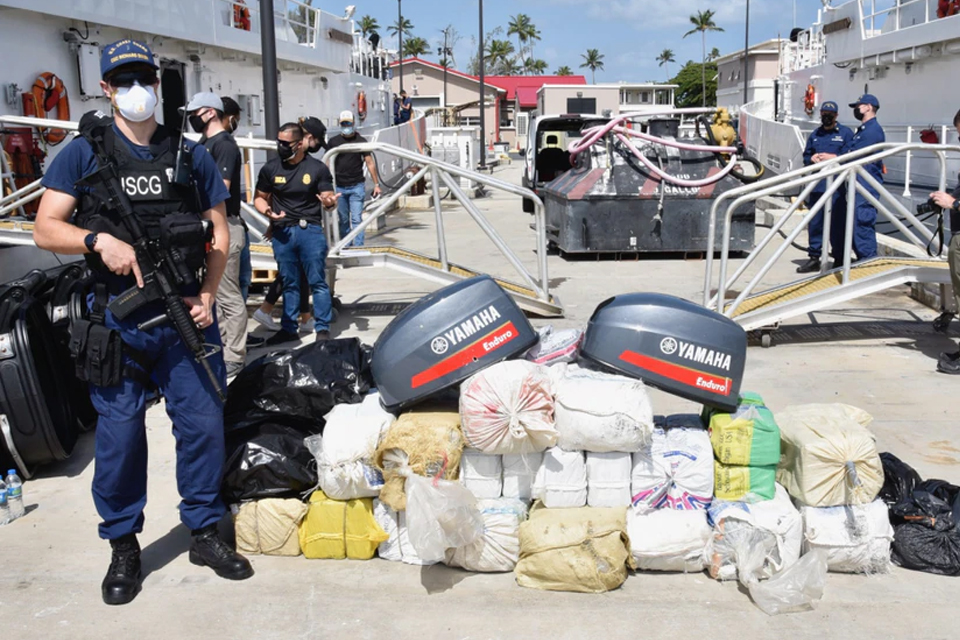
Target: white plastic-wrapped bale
pixel 608 479
pixel 481 473
pixel 600 412
pixel 345 451
pixel 508 408
pixel 740 527
pixel 668 540
pixel 562 479
pixel 555 346
pixel 498 549
pixel 856 538
pixel 519 473
pixel 674 471
pixel 397 548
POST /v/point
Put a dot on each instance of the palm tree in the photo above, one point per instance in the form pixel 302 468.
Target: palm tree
pixel 521 26
pixel 499 55
pixel 703 22
pixel 534 66
pixel 665 58
pixel 714 54
pixel 593 60
pixel 368 25
pixel 397 27
pixel 415 46
pixel 563 71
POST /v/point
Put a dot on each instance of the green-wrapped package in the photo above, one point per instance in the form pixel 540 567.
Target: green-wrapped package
pixel 751 439
pixel 737 483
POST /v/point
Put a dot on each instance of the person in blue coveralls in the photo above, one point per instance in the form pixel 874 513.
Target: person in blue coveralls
pixel 145 156
pixel 865 214
pixel 825 142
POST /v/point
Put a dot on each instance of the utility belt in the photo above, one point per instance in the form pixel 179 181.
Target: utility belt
pixel 303 223
pixel 98 351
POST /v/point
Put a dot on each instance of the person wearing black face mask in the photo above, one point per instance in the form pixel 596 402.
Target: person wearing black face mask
pixel 824 143
pixel 206 115
pixel 351 183
pixel 292 190
pixel 314 134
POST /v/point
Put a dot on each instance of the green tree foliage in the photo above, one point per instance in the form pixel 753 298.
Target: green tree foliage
pixel 534 66
pixel 703 22
pixel 665 58
pixel 499 57
pixel 592 60
pixel 368 25
pixel 563 71
pixel 415 47
pixel 690 81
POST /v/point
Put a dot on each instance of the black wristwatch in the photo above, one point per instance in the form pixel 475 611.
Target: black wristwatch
pixel 91 242
pixel 956 205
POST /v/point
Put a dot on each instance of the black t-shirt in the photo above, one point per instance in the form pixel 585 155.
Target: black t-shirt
pixel 295 188
pixel 349 165
pixel 226 154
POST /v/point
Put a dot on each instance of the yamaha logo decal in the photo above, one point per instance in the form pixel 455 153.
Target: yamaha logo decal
pixel 439 345
pixel 668 346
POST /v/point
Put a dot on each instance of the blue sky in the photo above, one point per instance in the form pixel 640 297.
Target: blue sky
pixel 630 33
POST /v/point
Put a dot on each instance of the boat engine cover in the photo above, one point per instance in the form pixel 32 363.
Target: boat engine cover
pixel 446 337
pixel 670 343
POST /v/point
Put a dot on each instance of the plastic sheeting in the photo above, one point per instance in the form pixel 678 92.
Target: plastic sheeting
pixel 829 457
pixel 519 473
pixel 561 481
pixel 749 437
pixel 267 459
pixel 899 479
pixel 668 540
pixel 926 535
pixel 555 346
pixel 600 412
pixel 508 408
pixel 498 548
pixel 608 479
pixel 396 547
pixel 856 539
pixel 674 471
pixel 482 474
pixel 337 529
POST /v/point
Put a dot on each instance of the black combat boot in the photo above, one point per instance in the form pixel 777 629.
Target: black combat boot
pixel 949 362
pixel 208 550
pixel 122 582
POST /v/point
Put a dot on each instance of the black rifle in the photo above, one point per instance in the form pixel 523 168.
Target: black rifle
pixel 161 266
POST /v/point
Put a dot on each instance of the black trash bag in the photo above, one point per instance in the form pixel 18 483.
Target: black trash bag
pixel 302 383
pixel 268 460
pixel 926 536
pixel 899 479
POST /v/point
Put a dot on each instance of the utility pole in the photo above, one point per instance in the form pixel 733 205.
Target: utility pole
pixel 746 55
pixel 444 54
pixel 483 97
pixel 268 49
pixel 400 36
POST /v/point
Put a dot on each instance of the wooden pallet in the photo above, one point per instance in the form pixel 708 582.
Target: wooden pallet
pixel 263 276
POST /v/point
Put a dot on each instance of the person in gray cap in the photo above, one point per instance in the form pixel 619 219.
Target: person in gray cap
pixel 205 115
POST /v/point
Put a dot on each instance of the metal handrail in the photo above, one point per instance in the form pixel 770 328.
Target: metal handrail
pixel 447 171
pixel 841 168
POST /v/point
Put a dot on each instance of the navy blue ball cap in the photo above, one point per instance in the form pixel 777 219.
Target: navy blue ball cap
pixel 867 98
pixel 829 107
pixel 125 52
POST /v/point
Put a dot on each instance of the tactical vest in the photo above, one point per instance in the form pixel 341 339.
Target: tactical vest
pixel 151 189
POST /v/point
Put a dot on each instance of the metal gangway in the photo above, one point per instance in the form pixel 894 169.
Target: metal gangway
pixel 757 308
pixel 532 292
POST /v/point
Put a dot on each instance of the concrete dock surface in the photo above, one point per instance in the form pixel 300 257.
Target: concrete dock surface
pixel 877 353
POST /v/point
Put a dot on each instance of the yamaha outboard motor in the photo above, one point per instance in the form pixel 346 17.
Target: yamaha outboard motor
pixel 446 337
pixel 671 344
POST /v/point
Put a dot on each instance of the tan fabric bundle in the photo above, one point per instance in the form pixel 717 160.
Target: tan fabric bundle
pixel 424 439
pixel 585 550
pixel 269 526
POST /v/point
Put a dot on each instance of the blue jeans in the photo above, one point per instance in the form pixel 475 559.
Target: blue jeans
pixel 246 268
pixel 120 475
pixel 350 210
pixel 296 249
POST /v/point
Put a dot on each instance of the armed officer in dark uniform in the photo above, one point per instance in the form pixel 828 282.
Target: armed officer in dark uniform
pixel 123 358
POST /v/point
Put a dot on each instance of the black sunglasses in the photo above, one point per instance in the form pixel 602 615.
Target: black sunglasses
pixel 144 77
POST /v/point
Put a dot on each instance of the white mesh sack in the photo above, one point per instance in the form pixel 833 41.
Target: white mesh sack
pixel 481 473
pixel 856 538
pixel 562 479
pixel 508 408
pixel 498 549
pixel 674 471
pixel 668 540
pixel 600 412
pixel 519 473
pixel 608 479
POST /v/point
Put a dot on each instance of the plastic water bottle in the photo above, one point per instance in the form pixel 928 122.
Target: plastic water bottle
pixel 14 494
pixel 4 507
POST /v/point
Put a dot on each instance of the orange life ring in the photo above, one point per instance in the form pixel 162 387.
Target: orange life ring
pixel 810 100
pixel 362 105
pixel 48 94
pixel 241 15
pixel 947 8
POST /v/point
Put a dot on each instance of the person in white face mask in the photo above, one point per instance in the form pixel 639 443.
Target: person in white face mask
pixel 75 218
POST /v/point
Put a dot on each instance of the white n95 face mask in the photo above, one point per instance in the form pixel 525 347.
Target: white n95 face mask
pixel 136 103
